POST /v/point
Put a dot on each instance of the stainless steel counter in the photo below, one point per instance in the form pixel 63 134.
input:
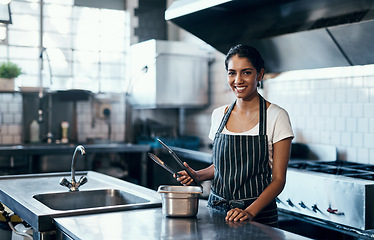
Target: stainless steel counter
pixel 151 224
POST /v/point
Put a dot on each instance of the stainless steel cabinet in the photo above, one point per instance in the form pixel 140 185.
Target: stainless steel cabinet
pixel 167 74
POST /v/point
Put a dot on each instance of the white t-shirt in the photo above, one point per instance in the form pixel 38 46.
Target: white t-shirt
pixel 278 126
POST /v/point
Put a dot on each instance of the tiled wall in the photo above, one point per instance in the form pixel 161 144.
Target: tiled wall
pixel 91 126
pixel 10 118
pixel 88 124
pixel 332 106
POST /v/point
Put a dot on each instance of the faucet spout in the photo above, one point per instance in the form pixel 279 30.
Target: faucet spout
pixel 83 152
pixel 73 185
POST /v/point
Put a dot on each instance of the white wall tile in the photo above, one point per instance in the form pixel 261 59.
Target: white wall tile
pixel 352 95
pixel 7 97
pixel 370 126
pixel 346 139
pixel 340 95
pixel 336 138
pixel 368 81
pixel 7 139
pixel 358 110
pixel 369 140
pixel 370 94
pixel 14 129
pixel 363 95
pixel 351 124
pixel 363 155
pixel 369 110
pixel 357 82
pixel 336 109
pixel 17 139
pixel 330 123
pixel 340 124
pixel 346 110
pixel 371 155
pixel 14 107
pixel 363 125
pixel 352 154
pixel 7 118
pixel 4 129
pixel 358 140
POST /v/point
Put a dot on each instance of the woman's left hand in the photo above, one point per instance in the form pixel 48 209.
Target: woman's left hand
pixel 238 214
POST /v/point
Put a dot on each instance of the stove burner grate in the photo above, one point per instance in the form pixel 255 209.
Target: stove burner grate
pixel 343 168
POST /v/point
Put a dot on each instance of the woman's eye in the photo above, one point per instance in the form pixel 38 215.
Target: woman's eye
pixel 231 73
pixel 247 72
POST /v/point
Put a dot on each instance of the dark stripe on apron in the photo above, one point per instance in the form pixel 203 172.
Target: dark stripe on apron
pixel 242 170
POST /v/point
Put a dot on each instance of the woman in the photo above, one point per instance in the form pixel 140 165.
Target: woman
pixel 251 146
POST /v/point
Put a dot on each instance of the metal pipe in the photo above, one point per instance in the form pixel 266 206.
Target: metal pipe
pixel 41 49
pixel 49 132
pixel 18 232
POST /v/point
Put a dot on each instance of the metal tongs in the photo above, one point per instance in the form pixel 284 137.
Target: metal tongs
pixel 179 161
pixel 163 165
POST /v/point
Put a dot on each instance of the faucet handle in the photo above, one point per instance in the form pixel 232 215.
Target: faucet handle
pixel 82 180
pixel 65 182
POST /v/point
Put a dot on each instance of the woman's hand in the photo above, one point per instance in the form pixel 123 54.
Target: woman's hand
pixel 238 214
pixel 186 179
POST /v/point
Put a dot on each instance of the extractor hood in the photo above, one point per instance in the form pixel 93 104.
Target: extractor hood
pixel 290 34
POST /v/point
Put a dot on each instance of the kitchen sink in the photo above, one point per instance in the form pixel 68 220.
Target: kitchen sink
pixel 88 199
pixel 39 198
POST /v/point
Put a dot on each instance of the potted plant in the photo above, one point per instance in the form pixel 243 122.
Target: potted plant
pixel 8 72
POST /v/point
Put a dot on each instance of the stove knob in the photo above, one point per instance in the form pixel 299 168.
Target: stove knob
pixel 290 202
pixel 315 208
pixel 334 211
pixel 302 204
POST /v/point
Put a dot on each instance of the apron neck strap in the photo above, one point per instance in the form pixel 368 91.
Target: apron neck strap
pixel 262 119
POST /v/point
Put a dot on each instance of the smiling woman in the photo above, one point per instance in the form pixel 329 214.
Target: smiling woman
pixel 251 146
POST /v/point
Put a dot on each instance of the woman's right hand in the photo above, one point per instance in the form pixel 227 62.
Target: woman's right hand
pixel 184 178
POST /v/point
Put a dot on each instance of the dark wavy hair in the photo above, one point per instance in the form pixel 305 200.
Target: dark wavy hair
pixel 248 52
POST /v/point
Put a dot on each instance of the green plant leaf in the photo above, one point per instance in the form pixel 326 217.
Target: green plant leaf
pixel 9 70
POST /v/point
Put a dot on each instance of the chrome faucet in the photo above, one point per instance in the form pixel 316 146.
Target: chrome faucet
pixel 73 185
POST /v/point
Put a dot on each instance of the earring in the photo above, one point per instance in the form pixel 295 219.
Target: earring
pixel 258 84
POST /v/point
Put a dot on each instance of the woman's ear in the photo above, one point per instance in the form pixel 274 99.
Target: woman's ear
pixel 261 74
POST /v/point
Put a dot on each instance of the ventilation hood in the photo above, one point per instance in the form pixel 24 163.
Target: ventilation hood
pixel 290 34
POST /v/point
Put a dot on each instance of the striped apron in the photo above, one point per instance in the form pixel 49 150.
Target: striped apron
pixel 242 170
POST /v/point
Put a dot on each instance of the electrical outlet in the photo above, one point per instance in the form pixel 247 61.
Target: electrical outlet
pixel 103 109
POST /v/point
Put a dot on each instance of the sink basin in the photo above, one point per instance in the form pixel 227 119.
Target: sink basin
pixel 39 198
pixel 88 199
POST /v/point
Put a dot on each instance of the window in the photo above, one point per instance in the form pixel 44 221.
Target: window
pixel 85 48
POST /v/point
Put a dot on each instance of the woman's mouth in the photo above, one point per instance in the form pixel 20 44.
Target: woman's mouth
pixel 239 89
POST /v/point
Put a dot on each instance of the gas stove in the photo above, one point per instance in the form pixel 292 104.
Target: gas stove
pixel 336 191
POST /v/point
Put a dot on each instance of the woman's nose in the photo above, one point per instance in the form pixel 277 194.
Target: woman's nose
pixel 238 78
